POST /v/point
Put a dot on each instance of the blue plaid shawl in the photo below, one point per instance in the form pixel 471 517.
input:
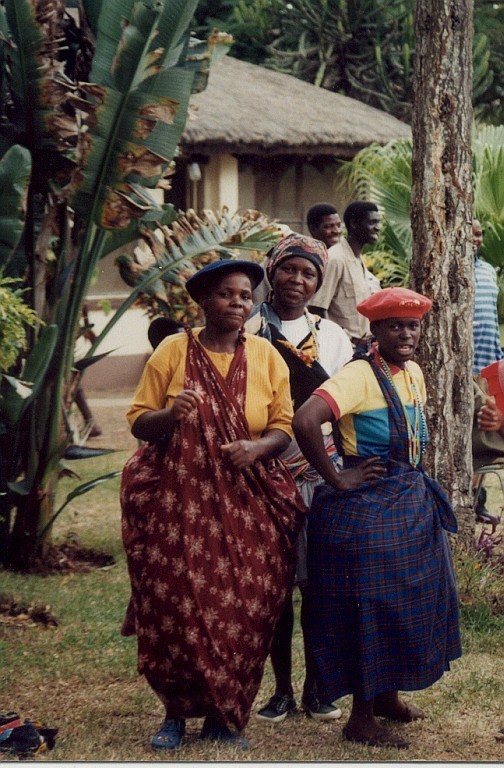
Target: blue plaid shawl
pixel 382 594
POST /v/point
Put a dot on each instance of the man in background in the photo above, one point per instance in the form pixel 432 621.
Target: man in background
pixel 346 282
pixel 324 223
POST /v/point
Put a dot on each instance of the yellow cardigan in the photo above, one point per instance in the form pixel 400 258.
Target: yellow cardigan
pixel 268 404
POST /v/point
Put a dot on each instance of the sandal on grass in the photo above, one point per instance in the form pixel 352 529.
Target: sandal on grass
pixel 169 735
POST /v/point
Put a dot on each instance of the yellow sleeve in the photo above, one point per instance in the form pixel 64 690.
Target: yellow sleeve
pixel 351 390
pixel 162 378
pixel 268 405
pixel 280 411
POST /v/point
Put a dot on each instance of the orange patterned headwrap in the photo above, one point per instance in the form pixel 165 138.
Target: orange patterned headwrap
pixel 297 245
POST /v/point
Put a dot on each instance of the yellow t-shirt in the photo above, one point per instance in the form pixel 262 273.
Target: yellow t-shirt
pixel 268 402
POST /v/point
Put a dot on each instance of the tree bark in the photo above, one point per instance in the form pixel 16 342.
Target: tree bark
pixel 442 259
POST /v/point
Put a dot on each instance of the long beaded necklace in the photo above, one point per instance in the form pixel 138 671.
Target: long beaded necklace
pixel 314 332
pixel 417 434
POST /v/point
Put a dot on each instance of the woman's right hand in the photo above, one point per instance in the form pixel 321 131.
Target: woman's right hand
pixel 185 402
pixel 489 417
pixel 370 469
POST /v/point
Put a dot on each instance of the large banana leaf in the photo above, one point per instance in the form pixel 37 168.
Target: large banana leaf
pixel 92 10
pixel 28 41
pixel 180 246
pixel 137 104
pixel 5 142
pixel 15 169
pixel 39 90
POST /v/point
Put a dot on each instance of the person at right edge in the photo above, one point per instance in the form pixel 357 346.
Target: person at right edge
pixel 382 594
pixel 486 334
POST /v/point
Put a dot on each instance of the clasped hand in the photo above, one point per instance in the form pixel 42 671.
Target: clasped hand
pixel 185 402
pixel 242 453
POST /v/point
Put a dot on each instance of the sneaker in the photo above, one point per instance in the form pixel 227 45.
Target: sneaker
pixel 277 709
pixel 318 710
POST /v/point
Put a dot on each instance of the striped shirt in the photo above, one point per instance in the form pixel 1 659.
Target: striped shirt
pixel 487 347
pixel 357 402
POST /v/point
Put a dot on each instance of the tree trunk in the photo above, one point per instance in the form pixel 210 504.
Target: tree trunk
pixel 442 260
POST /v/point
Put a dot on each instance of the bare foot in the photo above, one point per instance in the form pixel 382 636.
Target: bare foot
pixel 373 735
pixel 393 708
pixel 95 431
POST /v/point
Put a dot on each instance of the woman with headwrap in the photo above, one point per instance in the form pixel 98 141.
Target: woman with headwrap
pixel 313 349
pixel 210 516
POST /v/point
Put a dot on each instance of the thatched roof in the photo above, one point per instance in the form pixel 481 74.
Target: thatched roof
pixel 247 109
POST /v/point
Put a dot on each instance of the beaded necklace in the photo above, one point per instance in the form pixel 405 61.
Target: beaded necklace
pixel 418 433
pixel 314 332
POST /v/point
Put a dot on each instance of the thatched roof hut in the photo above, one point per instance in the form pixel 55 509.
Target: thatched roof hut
pixel 247 109
pixel 260 140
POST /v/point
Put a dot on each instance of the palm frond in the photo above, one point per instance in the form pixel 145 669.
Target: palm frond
pixel 159 269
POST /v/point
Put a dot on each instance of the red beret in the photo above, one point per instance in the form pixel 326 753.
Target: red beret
pixel 394 302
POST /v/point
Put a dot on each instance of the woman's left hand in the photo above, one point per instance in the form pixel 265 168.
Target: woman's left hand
pixel 242 453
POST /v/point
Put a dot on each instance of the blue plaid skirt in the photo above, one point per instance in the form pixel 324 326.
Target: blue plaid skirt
pixel 382 594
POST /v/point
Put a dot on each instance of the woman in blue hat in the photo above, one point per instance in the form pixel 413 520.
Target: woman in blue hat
pixel 210 516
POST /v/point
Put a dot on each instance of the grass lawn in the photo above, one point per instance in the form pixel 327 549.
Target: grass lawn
pixel 80 675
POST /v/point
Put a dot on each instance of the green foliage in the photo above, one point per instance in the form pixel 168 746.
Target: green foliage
pixel 383 174
pixel 363 48
pixel 489 23
pixel 99 108
pixel 15 170
pixel 15 315
pixel 254 26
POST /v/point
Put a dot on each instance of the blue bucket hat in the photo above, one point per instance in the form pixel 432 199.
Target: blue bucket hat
pixel 203 280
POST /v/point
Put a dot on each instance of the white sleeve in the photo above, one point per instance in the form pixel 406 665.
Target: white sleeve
pixel 335 346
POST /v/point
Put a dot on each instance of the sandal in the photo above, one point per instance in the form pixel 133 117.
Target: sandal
pixel 169 735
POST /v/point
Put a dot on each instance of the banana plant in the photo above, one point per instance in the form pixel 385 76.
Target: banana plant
pixel 99 103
